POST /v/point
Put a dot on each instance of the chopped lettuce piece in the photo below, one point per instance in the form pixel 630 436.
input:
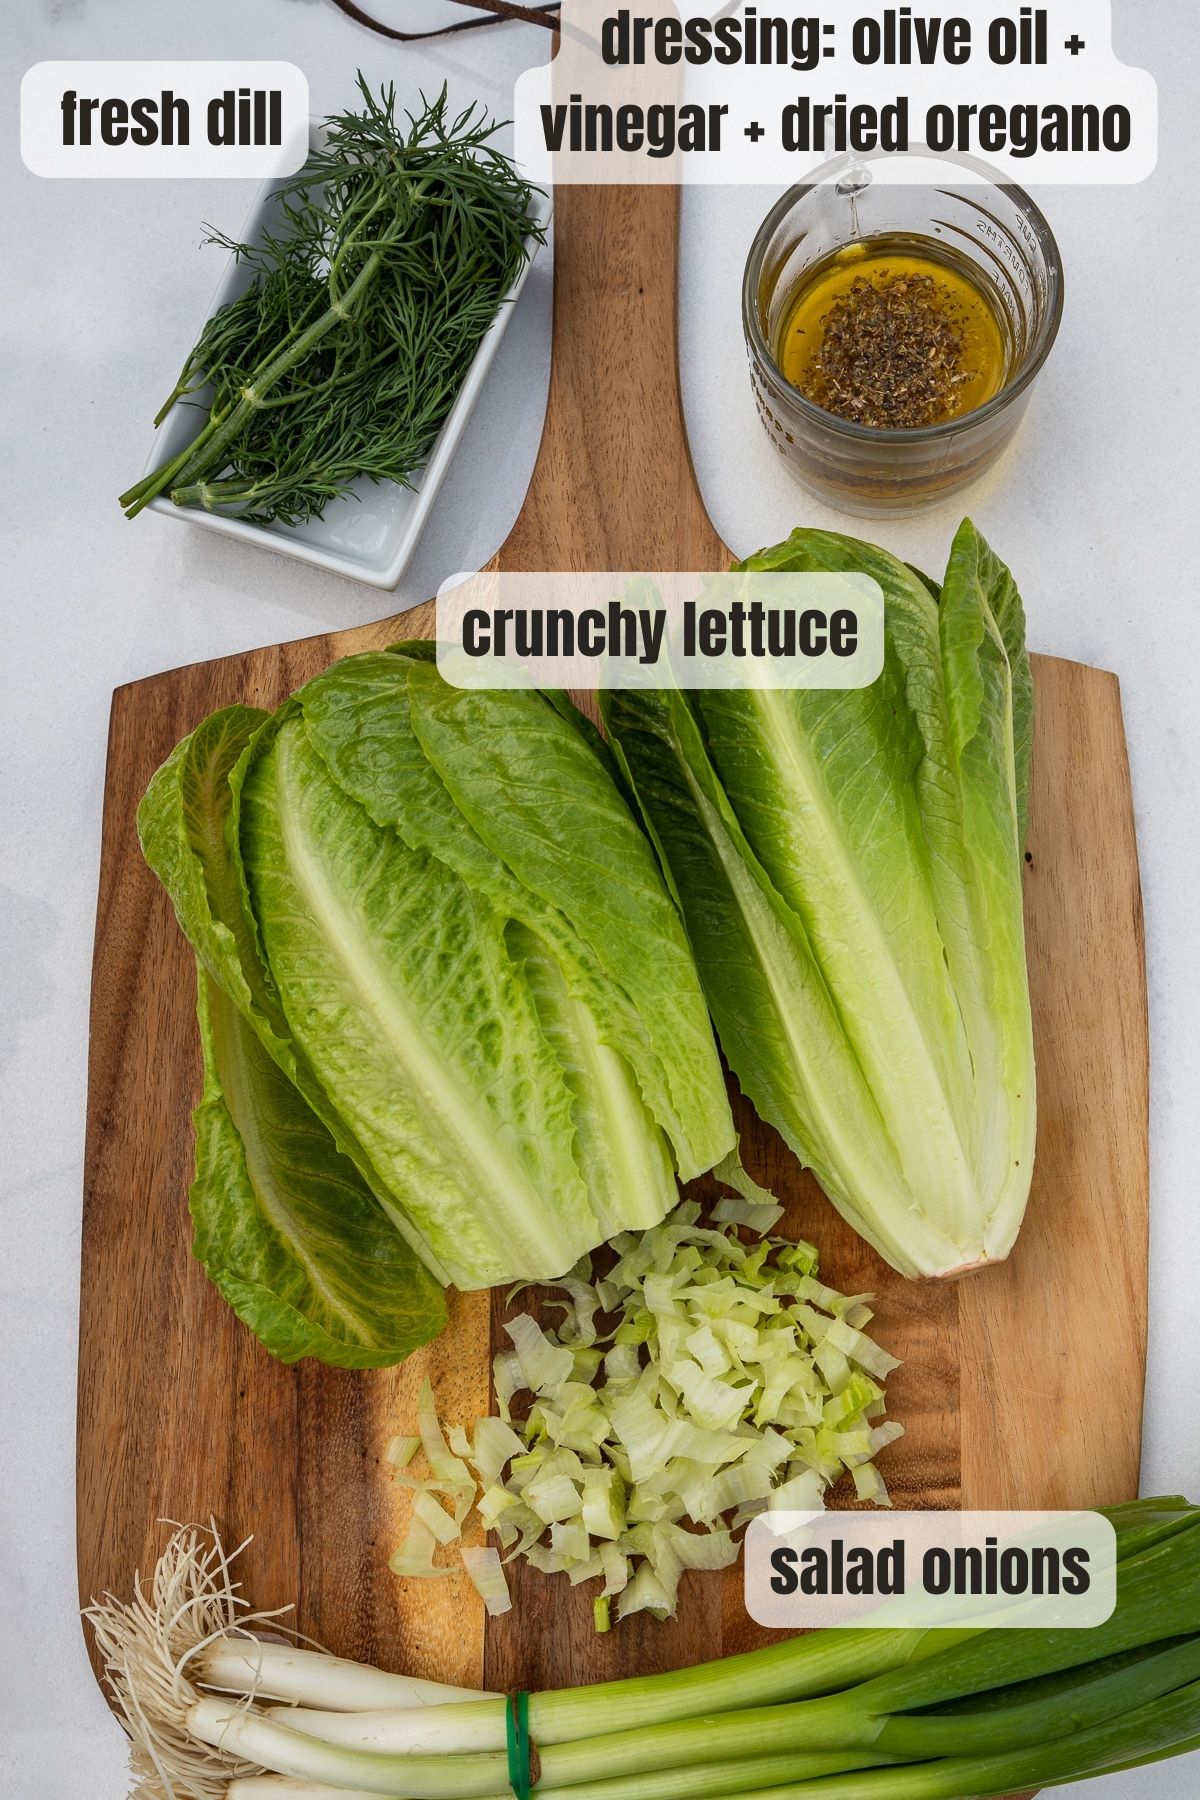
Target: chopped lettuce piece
pixel 488 1579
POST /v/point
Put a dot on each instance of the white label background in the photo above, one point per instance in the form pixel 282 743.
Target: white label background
pixel 920 1532
pixel 44 153
pixel 658 591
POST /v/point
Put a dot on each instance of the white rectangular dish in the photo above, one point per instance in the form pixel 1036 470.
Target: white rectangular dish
pixel 369 535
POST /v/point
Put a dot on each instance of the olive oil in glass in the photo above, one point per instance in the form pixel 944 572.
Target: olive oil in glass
pixel 925 371
pixel 894 333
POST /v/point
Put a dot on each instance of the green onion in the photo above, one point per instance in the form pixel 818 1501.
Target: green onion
pixel 719 1780
pixel 1167 1726
pixel 310 1678
pixel 282 1787
pixel 835 1715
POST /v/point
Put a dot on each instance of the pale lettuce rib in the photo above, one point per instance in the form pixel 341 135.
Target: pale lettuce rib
pixel 863 900
pixel 882 1020
pixel 622 1153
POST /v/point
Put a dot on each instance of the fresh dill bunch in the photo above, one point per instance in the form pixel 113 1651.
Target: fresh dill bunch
pixel 392 255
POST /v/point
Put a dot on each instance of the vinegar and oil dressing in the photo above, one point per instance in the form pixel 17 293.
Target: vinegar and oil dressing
pixel 894 333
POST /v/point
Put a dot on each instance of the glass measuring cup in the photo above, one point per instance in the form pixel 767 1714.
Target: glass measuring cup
pixel 980 220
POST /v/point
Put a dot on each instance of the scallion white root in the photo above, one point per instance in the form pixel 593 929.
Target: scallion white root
pixel 148 1647
pixel 282 1787
pixel 309 1677
pixel 233 1727
pixel 191 1629
pixel 433 1732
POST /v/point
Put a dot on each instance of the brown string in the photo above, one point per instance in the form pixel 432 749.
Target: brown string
pixel 498 11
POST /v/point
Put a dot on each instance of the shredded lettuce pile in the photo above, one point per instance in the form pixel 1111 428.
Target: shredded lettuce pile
pixel 733 1382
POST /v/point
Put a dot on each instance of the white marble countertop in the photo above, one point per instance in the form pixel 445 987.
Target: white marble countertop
pixel 102 283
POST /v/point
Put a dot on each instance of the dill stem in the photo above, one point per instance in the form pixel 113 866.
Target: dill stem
pixel 181 391
pixel 266 376
pixel 207 450
pixel 141 494
pixel 212 495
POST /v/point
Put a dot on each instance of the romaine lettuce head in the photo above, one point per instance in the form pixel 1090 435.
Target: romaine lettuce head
pixel 429 917
pixel 848 866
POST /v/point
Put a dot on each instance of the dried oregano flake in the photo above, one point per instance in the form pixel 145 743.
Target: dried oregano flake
pixel 892 353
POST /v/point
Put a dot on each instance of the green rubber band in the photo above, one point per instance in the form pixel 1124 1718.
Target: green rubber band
pixel 520 1764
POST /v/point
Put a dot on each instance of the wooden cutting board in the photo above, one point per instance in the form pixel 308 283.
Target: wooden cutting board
pixel 1021 1385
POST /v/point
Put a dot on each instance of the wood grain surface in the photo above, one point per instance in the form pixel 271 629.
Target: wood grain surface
pixel 1020 1385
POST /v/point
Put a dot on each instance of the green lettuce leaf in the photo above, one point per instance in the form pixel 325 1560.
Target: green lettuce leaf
pixel 776 1017
pixel 284 1224
pixel 189 825
pixel 623 1156
pixel 533 788
pixel 184 825
pixel 281 1215
pixel 360 717
pixel 493 1026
